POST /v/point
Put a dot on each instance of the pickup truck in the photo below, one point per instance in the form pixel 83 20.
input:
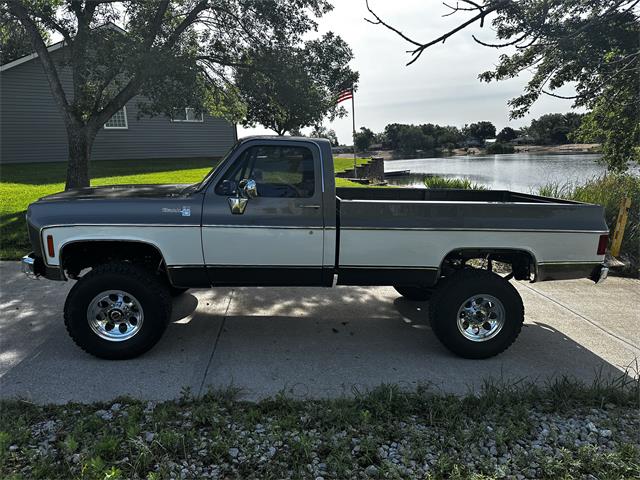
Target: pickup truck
pixel 270 215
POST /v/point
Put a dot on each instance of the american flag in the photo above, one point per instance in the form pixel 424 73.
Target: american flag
pixel 345 95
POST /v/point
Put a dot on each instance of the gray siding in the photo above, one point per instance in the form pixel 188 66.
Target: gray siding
pixel 32 129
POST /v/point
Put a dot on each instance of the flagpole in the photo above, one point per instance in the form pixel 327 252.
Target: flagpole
pixel 353 117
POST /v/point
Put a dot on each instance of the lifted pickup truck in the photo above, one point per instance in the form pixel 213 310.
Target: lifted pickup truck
pixel 270 214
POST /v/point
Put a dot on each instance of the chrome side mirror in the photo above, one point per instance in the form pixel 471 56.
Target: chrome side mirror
pixel 249 188
pixel 246 189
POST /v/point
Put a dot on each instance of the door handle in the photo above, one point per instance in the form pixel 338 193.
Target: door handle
pixel 303 205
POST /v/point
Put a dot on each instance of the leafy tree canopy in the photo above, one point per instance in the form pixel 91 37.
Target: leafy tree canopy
pixel 287 89
pixel 14 40
pixel 173 53
pixel 506 135
pixel 363 139
pixel 480 130
pixel 320 131
pixel 554 128
pixel 593 45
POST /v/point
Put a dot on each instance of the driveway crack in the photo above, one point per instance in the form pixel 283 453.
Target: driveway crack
pixel 215 344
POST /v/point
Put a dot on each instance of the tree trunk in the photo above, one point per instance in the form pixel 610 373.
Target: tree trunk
pixel 80 142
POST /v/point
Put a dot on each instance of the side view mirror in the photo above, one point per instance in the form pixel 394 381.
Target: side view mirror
pixel 228 187
pixel 248 188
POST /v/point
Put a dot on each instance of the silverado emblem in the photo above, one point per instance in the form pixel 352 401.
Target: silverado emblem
pixel 184 211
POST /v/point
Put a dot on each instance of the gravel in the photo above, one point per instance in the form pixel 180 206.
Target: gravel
pixel 221 441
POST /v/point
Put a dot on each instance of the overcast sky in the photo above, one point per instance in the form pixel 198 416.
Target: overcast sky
pixel 441 87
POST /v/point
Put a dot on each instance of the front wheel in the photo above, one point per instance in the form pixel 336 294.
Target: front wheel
pixel 117 311
pixel 476 314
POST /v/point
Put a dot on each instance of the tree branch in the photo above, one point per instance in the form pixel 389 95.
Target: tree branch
pixel 21 13
pixel 483 10
pixel 379 21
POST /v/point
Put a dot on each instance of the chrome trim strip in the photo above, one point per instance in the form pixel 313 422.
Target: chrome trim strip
pixel 380 267
pixel 480 229
pixel 427 229
pixel 216 265
pixel 468 202
pixel 137 225
pixel 580 262
pixel 274 227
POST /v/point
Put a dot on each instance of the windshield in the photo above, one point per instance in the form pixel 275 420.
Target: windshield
pixel 197 186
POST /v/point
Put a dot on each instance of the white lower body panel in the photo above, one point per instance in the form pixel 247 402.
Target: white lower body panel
pixel 420 248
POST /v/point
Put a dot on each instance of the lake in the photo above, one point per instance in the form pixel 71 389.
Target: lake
pixel 522 172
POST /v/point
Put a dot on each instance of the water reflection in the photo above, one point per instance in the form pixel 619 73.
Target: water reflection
pixel 523 172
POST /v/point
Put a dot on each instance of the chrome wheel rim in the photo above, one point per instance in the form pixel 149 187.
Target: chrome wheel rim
pixel 115 315
pixel 481 317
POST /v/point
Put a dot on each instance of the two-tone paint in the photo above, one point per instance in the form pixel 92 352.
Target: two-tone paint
pixel 364 236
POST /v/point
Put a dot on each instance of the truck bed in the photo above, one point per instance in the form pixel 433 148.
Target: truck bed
pixel 405 229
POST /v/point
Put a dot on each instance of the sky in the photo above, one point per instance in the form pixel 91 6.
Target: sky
pixel 441 87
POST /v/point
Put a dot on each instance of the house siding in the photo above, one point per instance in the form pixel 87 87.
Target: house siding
pixel 32 128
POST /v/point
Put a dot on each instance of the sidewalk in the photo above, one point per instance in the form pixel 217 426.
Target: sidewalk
pixel 309 342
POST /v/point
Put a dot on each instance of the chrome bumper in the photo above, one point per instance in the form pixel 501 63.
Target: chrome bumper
pixel 29 266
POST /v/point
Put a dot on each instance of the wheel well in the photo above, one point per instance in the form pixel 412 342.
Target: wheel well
pixel 522 263
pixel 76 256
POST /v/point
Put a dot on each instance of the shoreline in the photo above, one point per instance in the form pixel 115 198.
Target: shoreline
pixel 571 148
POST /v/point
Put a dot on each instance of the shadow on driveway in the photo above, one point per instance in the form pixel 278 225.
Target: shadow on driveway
pixel 307 342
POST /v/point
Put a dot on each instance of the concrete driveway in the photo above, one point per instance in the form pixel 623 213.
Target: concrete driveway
pixel 308 342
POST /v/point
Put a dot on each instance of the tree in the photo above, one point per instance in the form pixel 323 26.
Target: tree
pixel 363 139
pixel 554 128
pixel 172 53
pixel 594 44
pixel 320 131
pixel 480 131
pixel 506 135
pixel 287 88
pixel 14 40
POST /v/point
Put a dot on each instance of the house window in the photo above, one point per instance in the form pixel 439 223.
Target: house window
pixel 187 115
pixel 119 120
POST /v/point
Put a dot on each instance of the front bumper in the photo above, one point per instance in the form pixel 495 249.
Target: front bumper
pixel 34 267
pixel 29 266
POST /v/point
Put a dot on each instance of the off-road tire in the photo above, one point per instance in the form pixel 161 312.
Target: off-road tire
pixel 450 295
pixel 151 292
pixel 415 293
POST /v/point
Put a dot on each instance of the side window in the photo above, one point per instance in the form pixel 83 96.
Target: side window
pixel 285 172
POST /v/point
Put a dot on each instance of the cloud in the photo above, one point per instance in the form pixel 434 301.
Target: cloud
pixel 441 87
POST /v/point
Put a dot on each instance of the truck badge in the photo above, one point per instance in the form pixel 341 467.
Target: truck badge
pixel 184 211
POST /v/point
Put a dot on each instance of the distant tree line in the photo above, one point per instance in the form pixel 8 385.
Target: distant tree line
pixel 550 129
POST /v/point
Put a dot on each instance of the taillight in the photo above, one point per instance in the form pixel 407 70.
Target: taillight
pixel 602 244
pixel 50 249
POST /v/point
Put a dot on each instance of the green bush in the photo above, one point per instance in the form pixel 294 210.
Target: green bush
pixel 460 183
pixel 498 147
pixel 608 191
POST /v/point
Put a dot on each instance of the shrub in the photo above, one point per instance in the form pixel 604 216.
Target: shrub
pixel 608 191
pixel 461 183
pixel 498 147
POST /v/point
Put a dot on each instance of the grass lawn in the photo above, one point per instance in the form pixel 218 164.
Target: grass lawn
pixel 23 184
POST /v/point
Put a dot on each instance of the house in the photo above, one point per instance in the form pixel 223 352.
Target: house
pixel 32 128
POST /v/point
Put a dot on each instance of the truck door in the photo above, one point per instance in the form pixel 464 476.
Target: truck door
pixel 262 216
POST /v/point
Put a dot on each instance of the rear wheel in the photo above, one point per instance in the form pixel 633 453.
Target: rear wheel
pixel 416 293
pixel 476 314
pixel 117 311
